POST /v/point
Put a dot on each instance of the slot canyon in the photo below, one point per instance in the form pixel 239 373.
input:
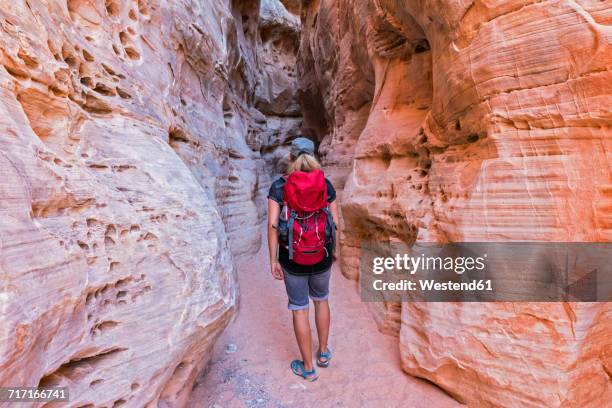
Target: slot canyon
pixel 139 139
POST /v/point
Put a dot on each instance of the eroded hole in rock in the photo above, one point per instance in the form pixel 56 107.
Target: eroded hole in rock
pixel 104 89
pixel 96 382
pixel 109 70
pixel 124 38
pixel 177 136
pixel 386 158
pixel 143 7
pixel 112 7
pixel 17 73
pixel 119 403
pixel 103 327
pixel 472 137
pixel 69 56
pixel 30 60
pixel 389 42
pixel 80 367
pixel 123 94
pixel 421 46
pixel 87 56
pixel 53 49
pixel 132 53
pixel 95 105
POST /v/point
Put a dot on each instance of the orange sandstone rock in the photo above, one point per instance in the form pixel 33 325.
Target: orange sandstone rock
pixel 474 121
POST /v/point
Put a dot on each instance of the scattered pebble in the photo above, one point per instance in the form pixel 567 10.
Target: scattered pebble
pixel 231 348
pixel 297 386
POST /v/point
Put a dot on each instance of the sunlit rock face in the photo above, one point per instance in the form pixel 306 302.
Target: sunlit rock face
pixel 474 121
pixel 129 154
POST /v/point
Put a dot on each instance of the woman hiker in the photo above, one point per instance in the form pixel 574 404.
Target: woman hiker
pixel 302 219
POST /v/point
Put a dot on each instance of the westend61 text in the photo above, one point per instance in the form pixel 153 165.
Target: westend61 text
pixel 432 285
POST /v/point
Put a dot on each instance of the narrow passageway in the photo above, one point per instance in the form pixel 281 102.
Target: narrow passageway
pixel 250 363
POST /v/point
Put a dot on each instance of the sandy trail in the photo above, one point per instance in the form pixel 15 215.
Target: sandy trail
pixel 364 372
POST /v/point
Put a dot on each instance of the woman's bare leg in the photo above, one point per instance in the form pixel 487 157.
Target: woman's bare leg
pixel 322 321
pixel 301 326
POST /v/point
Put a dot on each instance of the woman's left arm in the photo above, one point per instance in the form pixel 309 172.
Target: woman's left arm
pixel 273 213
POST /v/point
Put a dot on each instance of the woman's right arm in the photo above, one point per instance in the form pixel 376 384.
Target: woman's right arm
pixel 273 215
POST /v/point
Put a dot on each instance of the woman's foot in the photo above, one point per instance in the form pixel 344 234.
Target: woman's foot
pixel 323 358
pixel 297 366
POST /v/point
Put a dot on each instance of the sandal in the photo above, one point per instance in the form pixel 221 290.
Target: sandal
pixel 327 355
pixel 297 366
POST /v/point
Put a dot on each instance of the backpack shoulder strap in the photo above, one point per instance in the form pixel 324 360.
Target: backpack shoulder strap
pixel 284 178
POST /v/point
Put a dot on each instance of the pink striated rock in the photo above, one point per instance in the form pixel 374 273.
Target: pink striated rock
pixel 128 158
pixel 477 121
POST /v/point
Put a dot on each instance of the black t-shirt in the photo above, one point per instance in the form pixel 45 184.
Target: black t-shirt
pixel 276 194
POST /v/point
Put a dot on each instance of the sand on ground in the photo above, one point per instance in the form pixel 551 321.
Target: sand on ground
pixel 250 363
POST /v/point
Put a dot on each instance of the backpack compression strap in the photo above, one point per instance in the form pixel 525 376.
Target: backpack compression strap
pixel 290 225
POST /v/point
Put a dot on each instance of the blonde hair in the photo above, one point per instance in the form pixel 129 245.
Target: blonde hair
pixel 304 162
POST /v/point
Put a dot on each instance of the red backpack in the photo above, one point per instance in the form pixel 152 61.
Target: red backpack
pixel 306 222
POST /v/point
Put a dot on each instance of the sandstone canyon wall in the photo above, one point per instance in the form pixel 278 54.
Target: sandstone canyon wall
pixel 132 147
pixel 474 120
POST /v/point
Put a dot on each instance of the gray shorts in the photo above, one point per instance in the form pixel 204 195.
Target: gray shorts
pixel 299 287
